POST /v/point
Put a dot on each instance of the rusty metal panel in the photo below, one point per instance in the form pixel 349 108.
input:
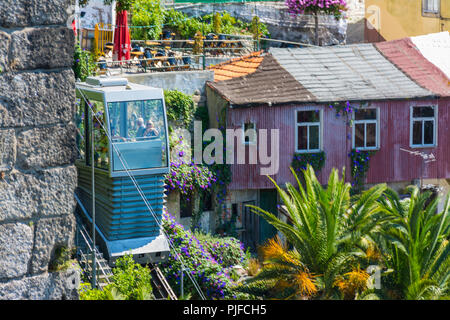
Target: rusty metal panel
pixel 389 164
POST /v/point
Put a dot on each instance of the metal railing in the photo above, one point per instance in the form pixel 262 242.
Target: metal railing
pixel 163 63
pixel 85 252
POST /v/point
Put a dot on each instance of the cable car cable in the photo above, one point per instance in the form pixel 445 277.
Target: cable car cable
pixel 125 165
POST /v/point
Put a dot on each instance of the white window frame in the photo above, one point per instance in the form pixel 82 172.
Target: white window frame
pixel 423 119
pixel 308 124
pixel 365 122
pixel 250 142
pixel 425 6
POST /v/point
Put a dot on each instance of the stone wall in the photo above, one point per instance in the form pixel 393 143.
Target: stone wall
pixel 188 82
pixel 37 148
pixel 280 23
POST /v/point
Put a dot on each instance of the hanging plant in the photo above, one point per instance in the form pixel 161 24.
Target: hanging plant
pixel 301 160
pixel 330 7
pixel 360 164
pixel 343 110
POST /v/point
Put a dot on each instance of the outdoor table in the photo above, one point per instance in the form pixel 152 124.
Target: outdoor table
pixel 137 53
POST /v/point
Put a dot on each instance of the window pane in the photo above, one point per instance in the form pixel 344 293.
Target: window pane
pixel 428 132
pixel 302 138
pixel 359 135
pixel 249 136
pixel 366 114
pixel 313 137
pixel 423 112
pixel 114 118
pixel 101 154
pixel 417 132
pixel 371 135
pixel 79 122
pixel 308 116
pixel 135 121
pixel 144 144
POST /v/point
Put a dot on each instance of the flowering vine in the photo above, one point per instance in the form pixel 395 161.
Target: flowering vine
pixel 301 160
pixel 184 175
pixel 359 167
pixel 331 7
pixel 204 262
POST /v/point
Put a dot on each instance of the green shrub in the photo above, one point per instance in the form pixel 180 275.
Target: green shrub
pixel 130 281
pixel 214 281
pixel 83 64
pixel 147 13
pixel 226 251
pixel 180 106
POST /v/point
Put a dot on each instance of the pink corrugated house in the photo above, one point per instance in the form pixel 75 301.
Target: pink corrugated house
pixel 393 100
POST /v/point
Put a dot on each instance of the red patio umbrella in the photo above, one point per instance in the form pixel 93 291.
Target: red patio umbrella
pixel 122 42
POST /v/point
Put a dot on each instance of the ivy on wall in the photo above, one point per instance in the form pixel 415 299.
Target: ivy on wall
pixel 360 161
pixel 180 107
pixel 301 160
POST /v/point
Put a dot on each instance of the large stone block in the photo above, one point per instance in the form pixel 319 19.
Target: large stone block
pixel 36 98
pixel 7 149
pixel 49 235
pixel 41 48
pixel 22 13
pixel 48 286
pixel 16 244
pixel 44 193
pixel 46 147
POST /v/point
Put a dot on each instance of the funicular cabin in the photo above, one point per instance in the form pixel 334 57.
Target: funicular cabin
pixel 122 133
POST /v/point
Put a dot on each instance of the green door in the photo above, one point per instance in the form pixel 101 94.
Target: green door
pixel 268 202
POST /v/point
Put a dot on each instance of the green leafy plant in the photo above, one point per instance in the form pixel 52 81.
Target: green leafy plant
pixel 215 281
pixel 326 228
pixel 217 23
pixel 63 258
pixel 130 281
pixel 360 164
pixel 415 247
pixel 227 251
pixel 83 64
pixel 147 13
pixel 180 107
pixel 301 161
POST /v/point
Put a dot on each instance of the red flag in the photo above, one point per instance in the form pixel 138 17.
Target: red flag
pixel 122 42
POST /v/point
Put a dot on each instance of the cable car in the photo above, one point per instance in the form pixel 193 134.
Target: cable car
pixel 128 126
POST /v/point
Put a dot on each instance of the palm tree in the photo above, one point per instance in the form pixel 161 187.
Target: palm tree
pixel 283 275
pixel 415 243
pixel 327 229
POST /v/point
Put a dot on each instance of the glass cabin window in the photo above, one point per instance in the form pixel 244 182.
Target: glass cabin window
pixel 138 133
pixel 80 128
pixel 423 123
pixel 308 131
pixel 365 129
pixel 101 154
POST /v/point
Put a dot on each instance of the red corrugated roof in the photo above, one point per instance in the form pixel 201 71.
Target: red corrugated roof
pixel 404 54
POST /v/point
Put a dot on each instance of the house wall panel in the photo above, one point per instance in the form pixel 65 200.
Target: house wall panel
pixel 389 164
